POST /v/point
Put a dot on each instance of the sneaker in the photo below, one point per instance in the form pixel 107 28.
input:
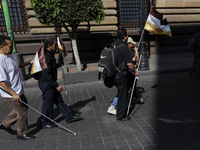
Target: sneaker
pixel 112 110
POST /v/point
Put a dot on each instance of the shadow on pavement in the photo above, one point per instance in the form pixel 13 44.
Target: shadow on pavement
pixel 75 108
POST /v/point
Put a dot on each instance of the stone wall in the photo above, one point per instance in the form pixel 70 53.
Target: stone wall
pixel 182 15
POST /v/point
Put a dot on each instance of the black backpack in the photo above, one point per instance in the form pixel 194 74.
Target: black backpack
pixel 107 64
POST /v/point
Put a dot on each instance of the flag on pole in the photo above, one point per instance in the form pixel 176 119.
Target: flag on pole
pixel 39 61
pixel 156 24
pixel 62 49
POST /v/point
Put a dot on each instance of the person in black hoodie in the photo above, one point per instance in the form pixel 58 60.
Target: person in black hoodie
pixel 50 88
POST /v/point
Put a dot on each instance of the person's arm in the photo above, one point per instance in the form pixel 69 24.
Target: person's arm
pixel 128 58
pixel 136 54
pixel 131 67
pixel 25 64
pixel 47 77
pixel 59 64
pixel 9 90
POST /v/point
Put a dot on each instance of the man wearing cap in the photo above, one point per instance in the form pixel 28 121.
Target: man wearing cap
pixel 135 59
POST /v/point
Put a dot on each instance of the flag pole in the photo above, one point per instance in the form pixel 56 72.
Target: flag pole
pixel 135 77
pixel 140 38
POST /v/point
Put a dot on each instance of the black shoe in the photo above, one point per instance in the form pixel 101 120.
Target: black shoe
pixel 74 118
pixel 25 137
pixel 191 73
pixel 125 118
pixel 48 126
pixel 138 101
pixel 9 130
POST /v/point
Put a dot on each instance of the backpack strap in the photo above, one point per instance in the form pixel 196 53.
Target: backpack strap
pixel 118 46
pixel 123 63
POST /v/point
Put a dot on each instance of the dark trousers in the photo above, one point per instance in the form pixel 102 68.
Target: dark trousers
pixel 50 95
pixel 121 82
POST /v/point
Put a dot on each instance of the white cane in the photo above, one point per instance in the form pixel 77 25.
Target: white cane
pixel 42 114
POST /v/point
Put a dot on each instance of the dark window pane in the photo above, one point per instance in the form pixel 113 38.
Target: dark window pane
pixel 129 13
pixel 17 15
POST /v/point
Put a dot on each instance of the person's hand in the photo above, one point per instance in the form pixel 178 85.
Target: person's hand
pixel 136 73
pixel 59 88
pixel 133 58
pixel 135 49
pixel 31 62
pixel 17 97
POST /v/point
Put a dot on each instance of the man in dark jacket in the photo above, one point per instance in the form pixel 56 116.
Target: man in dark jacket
pixel 121 80
pixel 50 88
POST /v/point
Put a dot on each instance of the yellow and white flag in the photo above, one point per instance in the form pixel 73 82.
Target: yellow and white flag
pixel 156 24
pixel 62 49
pixel 39 61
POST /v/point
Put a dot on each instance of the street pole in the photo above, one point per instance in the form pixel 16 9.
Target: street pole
pixel 18 56
pixel 144 65
pixel 8 23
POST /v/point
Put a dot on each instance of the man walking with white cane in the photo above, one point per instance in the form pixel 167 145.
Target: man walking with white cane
pixel 10 81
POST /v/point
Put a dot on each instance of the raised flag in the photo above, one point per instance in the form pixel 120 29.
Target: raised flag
pixel 156 24
pixel 39 61
pixel 61 48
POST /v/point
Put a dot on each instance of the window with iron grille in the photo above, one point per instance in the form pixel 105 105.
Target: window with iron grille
pixel 129 13
pixel 18 17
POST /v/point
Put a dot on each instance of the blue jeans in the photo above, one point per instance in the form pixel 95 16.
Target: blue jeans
pixel 114 103
pixel 50 95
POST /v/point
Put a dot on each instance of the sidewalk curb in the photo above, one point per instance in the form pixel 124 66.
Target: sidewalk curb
pixel 92 75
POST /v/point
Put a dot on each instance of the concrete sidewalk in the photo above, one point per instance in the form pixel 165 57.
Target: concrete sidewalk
pixel 158 64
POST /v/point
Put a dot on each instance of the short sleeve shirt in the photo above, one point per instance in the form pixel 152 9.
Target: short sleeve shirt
pixel 123 53
pixel 9 73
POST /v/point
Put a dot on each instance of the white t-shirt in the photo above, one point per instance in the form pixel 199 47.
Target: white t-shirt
pixel 9 73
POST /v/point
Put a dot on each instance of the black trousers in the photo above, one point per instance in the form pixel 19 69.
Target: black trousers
pixel 123 84
pixel 50 95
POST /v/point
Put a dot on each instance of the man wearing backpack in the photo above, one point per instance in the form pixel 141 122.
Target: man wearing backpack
pixel 121 78
pixel 135 59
